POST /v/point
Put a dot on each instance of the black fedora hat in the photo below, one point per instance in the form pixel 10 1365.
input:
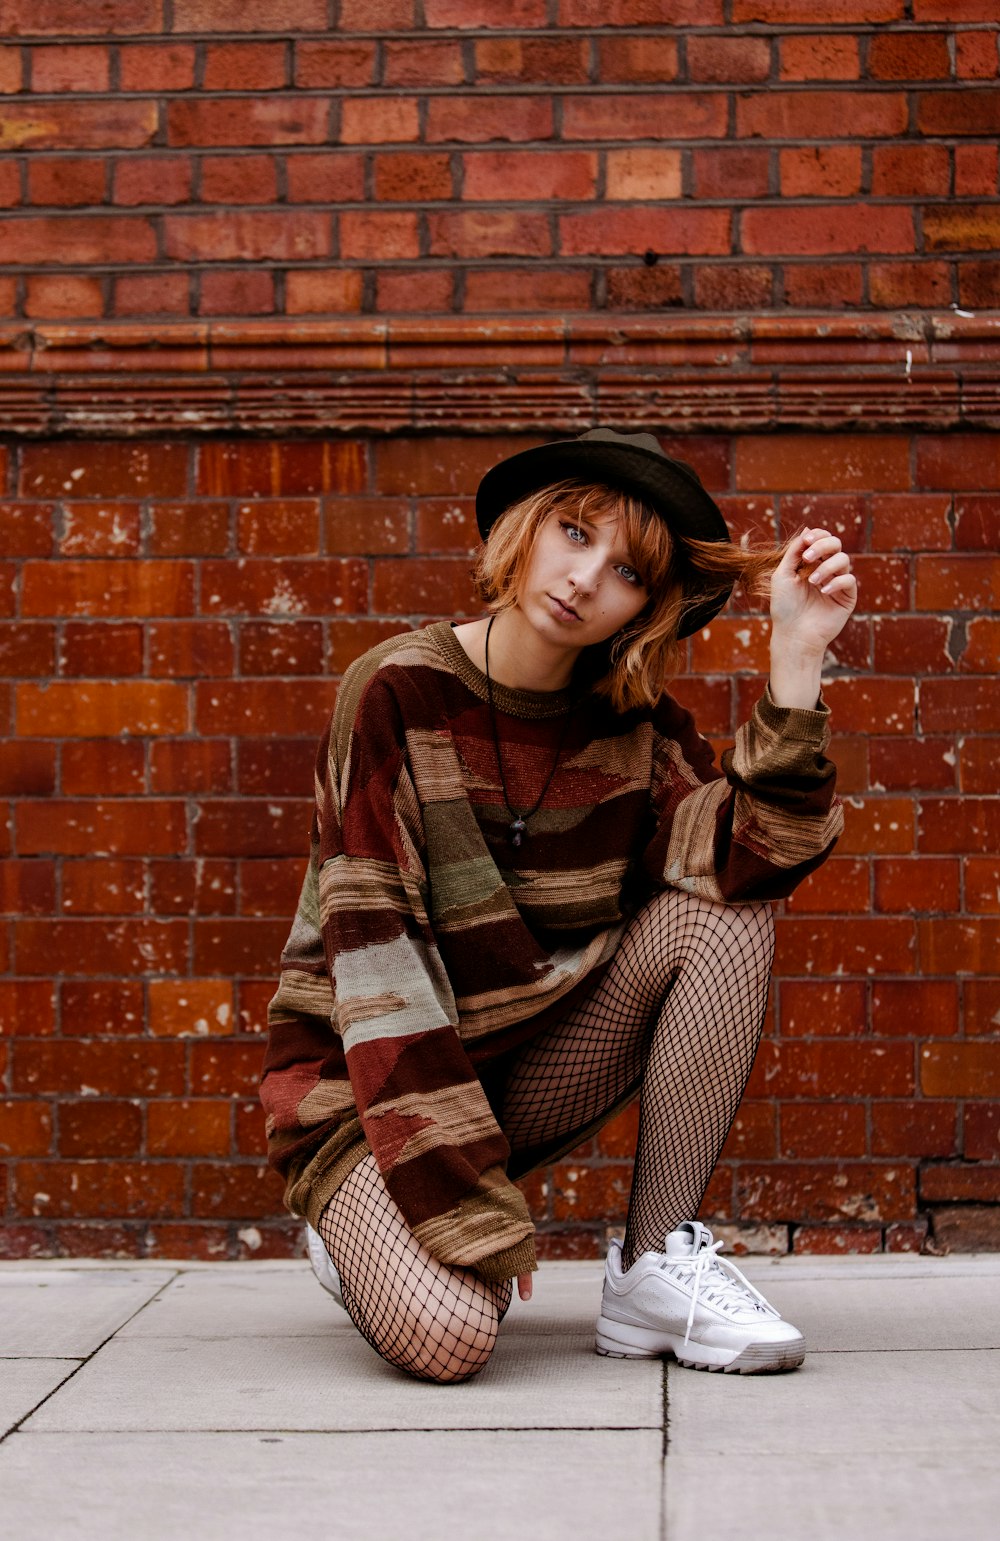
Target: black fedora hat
pixel 633 461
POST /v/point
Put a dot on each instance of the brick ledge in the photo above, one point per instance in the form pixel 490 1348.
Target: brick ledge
pixel 489 374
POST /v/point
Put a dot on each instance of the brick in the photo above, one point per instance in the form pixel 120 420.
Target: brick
pixel 857 704
pixel 445 525
pixel 910 522
pixel 836 1240
pixel 83 239
pixel 95 828
pixel 278 527
pixel 380 120
pixel 800 1068
pixel 270 887
pixel 104 1128
pixel 626 13
pixel 189 766
pixel 982 1131
pixel 27 769
pixel 479 13
pixel 580 1192
pixel 247 947
pixel 967 1228
pixel 95 709
pixel 752 1136
pixel 958 945
pixel 820 230
pixel 254 16
pixel 916 884
pixel 721 60
pixel 276 767
pixel 156 66
pixel 38 18
pixel 666 117
pixel 188 1128
pixel 245 67
pixel 178 887
pixel 26 528
pixel 235 1190
pixel 281 647
pixel 188 529
pixel 27 887
pixel 72 124
pixel 914 1007
pixel 855 946
pixel 190 1007
pixel 249 1137
pixel 982 885
pixel 102 649
pixel 823 286
pixel 909 56
pixel 238 179
pixel 366 527
pixel 854 1191
pixel 10 70
pixel 437 63
pixel 820 171
pixel 734 171
pixel 812 12
pixel 894 285
pixel 103 767
pixel 958 705
pixel 236 294
pixel 103 887
pixel 559 60
pixel 334 63
pixel 27 650
pixel 233 827
pixel 979 764
pixel 982 649
pixel 100 1007
pixel 190 649
pixel 246 121
pixel 795 463
pixel 254 997
pixel 27 1008
pixel 463 233
pixel 684 231
pixel 976 55
pixel 225 1067
pixel 977 523
pixel 957 582
pixel 136 945
pixel 978 1183
pixel 840 887
pixel 957 824
pixel 99 529
pixel 241 705
pixel 103 469
pixel 286 587
pixel 96 1189
pixel 291 468
pixel 810 1006
pixel 339 177
pixel 642 288
pixel 509 176
pixel 959 461
pixel 818 1129
pixel 424 585
pixel 148 294
pixel 912 645
pixel 59 295
pixel 820 114
pixel 819 56
pixel 25 1128
pixel 322 293
pixel 970 110
pixel 916 170
pixel 976 170
pixel 69 181
pixel 284 235
pixel 109 1069
pixel 982 1006
pixel 165 179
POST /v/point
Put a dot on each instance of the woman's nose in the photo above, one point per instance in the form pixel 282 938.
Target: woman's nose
pixel 585 573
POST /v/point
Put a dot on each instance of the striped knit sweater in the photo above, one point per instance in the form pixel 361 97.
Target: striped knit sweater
pixel 424 945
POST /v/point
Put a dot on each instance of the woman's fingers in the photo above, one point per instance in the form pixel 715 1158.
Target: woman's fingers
pixel 524 1285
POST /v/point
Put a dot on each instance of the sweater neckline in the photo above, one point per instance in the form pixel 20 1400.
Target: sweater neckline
pixel 514 703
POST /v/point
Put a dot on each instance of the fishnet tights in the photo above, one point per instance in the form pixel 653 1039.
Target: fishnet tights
pixel 678 1017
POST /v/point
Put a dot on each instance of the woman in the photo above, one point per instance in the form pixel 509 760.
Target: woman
pixel 531 895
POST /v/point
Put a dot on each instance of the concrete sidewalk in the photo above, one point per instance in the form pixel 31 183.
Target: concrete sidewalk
pixel 146 1401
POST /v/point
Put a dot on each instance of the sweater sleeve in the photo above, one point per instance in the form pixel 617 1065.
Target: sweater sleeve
pixel 754 829
pixel 423 1109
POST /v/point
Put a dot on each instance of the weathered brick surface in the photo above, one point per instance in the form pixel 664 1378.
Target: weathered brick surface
pixel 397 142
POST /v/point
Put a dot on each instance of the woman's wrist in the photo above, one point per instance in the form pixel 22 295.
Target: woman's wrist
pixel 796 674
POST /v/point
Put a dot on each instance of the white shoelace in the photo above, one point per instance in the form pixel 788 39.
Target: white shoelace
pixel 730 1284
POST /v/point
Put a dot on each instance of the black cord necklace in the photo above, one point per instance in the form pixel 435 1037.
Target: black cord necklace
pixel 518 826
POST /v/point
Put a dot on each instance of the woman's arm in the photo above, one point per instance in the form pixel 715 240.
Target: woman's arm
pixel 813 593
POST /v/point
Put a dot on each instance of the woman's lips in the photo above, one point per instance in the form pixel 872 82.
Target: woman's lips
pixel 563 611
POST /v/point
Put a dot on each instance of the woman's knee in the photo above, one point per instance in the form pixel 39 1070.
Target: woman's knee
pixel 445 1348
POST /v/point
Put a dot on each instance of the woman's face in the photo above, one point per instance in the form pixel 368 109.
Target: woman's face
pixel 580 587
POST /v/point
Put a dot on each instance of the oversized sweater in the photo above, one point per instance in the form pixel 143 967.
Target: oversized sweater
pixel 425 945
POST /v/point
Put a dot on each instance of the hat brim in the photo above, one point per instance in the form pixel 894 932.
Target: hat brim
pixel 668 486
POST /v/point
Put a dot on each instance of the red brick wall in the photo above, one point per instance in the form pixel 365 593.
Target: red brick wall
pixel 582 154
pixel 223 474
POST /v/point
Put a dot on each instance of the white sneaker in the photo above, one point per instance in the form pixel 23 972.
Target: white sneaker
pixel 693 1304
pixel 322 1265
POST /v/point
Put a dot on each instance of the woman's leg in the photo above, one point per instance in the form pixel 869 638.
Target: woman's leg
pixel 437 1322
pixel 678 1013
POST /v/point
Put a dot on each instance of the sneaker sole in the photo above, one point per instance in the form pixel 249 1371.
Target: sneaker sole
pixel 619 1340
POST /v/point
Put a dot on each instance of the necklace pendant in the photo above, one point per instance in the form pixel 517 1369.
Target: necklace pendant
pixel 517 828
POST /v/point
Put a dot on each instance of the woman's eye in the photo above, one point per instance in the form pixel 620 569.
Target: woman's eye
pixel 630 575
pixel 575 533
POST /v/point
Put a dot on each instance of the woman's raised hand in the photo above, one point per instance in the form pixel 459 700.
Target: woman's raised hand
pixel 813 591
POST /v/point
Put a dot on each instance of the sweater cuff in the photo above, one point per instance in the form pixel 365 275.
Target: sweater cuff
pixel 508 1263
pixel 798 722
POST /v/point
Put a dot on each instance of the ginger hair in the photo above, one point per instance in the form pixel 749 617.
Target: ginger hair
pixel 633 667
